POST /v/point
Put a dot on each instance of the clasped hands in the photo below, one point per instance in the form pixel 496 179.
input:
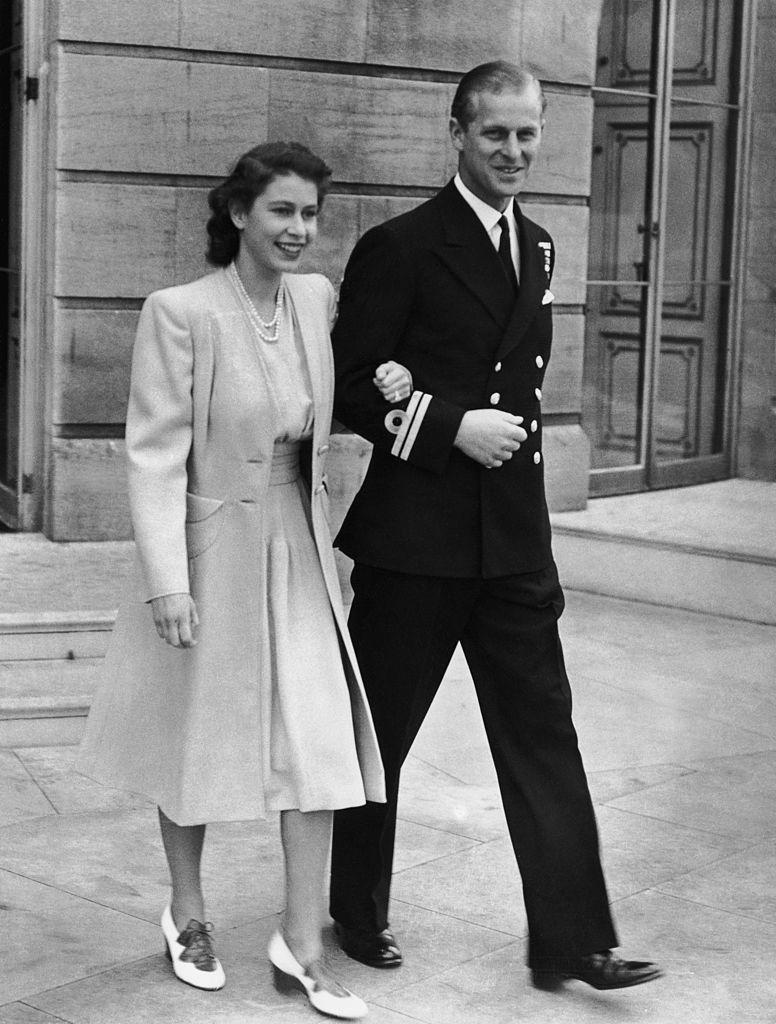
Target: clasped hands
pixel 490 436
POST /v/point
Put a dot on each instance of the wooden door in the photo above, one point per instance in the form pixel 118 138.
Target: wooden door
pixel 654 394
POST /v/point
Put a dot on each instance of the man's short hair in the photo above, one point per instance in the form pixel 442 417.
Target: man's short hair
pixel 497 76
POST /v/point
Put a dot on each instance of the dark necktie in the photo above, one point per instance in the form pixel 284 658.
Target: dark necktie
pixel 505 253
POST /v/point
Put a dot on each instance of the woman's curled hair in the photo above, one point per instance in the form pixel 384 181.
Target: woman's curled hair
pixel 250 176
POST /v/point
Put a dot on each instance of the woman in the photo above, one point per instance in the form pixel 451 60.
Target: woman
pixel 253 703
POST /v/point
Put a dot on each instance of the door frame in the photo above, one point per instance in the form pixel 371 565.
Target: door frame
pixel 34 268
pixel 648 473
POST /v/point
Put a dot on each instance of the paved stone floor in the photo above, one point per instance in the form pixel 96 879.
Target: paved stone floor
pixel 677 720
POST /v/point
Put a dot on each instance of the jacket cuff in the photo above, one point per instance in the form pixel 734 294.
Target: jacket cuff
pixel 424 431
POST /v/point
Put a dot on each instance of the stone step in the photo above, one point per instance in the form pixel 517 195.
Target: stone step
pixel 45 702
pixel 54 635
pixel 709 548
pixel 693 578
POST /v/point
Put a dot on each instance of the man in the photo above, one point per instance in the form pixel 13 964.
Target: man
pixel 450 533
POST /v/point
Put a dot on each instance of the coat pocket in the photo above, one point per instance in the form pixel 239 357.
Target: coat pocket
pixel 204 519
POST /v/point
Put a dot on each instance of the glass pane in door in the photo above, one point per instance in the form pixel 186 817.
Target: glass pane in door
pixel 613 375
pixel 618 261
pixel 690 397
pixel 691 377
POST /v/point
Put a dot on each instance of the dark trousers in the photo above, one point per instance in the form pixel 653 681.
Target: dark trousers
pixel 405 629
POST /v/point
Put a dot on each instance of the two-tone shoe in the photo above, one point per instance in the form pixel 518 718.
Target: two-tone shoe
pixel 602 970
pixel 191 953
pixel 322 990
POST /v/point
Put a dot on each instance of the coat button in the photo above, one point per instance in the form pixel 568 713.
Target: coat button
pixel 323 449
pixel 495 398
pixel 534 426
pixel 537 457
pixel 538 393
pixel 319 488
pixel 539 362
pixel 497 367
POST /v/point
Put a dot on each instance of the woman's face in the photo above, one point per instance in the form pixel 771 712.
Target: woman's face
pixel 282 222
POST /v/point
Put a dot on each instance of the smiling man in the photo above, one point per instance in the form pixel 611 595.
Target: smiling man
pixel 450 532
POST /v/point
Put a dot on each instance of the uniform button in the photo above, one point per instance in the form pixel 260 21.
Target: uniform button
pixel 323 449
pixel 539 362
pixel 495 398
pixel 534 426
pixel 497 367
pixel 537 457
pixel 538 393
pixel 319 488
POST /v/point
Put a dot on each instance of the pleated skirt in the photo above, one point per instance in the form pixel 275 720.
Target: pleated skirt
pixel 312 758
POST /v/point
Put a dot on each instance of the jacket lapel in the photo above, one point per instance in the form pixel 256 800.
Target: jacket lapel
pixel 533 282
pixel 470 255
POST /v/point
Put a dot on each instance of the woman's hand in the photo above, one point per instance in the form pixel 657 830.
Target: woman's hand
pixel 393 381
pixel 176 619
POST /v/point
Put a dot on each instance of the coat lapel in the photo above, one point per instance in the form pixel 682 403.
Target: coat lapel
pixel 533 282
pixel 311 316
pixel 469 253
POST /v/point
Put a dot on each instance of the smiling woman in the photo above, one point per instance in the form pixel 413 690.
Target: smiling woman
pixel 248 699
pixel 278 226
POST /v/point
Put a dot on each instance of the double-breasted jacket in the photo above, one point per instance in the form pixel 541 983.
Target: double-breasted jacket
pixel 427 289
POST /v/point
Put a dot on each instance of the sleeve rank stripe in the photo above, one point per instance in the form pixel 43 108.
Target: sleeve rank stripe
pixel 409 413
pixel 417 421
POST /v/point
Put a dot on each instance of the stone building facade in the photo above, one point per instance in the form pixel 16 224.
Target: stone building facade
pixel 656 180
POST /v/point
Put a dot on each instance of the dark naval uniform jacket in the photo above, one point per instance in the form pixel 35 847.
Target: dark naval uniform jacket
pixel 428 290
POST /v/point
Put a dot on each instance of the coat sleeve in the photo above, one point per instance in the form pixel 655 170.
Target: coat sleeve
pixel 375 307
pixel 159 433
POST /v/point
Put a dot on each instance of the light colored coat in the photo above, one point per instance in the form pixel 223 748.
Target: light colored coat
pixel 190 727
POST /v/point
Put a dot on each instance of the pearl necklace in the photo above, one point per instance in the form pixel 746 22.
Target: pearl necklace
pixel 267 330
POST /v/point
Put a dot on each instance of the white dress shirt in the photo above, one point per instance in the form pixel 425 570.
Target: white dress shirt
pixel 489 218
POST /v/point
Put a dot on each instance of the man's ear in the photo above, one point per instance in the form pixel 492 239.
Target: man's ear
pixel 457 132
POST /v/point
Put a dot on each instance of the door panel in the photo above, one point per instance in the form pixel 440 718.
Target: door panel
pixel 655 348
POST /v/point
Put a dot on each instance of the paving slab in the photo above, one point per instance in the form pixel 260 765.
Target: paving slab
pixel 145 993
pixel 733 796
pixel 709 977
pixel 739 884
pixel 677 721
pixel 52 937
pixel 20 795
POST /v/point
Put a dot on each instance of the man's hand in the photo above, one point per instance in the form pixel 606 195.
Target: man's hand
pixel 490 436
pixel 176 619
pixel 393 381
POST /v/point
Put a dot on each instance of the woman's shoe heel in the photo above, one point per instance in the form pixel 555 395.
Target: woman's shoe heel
pixel 290 976
pixel 286 984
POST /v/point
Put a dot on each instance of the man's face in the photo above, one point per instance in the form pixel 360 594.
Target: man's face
pixel 498 146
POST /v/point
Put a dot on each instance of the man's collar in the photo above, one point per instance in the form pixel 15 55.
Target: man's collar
pixel 488 216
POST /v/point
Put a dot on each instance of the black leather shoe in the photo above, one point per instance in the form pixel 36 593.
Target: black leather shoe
pixel 601 970
pixel 375 949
